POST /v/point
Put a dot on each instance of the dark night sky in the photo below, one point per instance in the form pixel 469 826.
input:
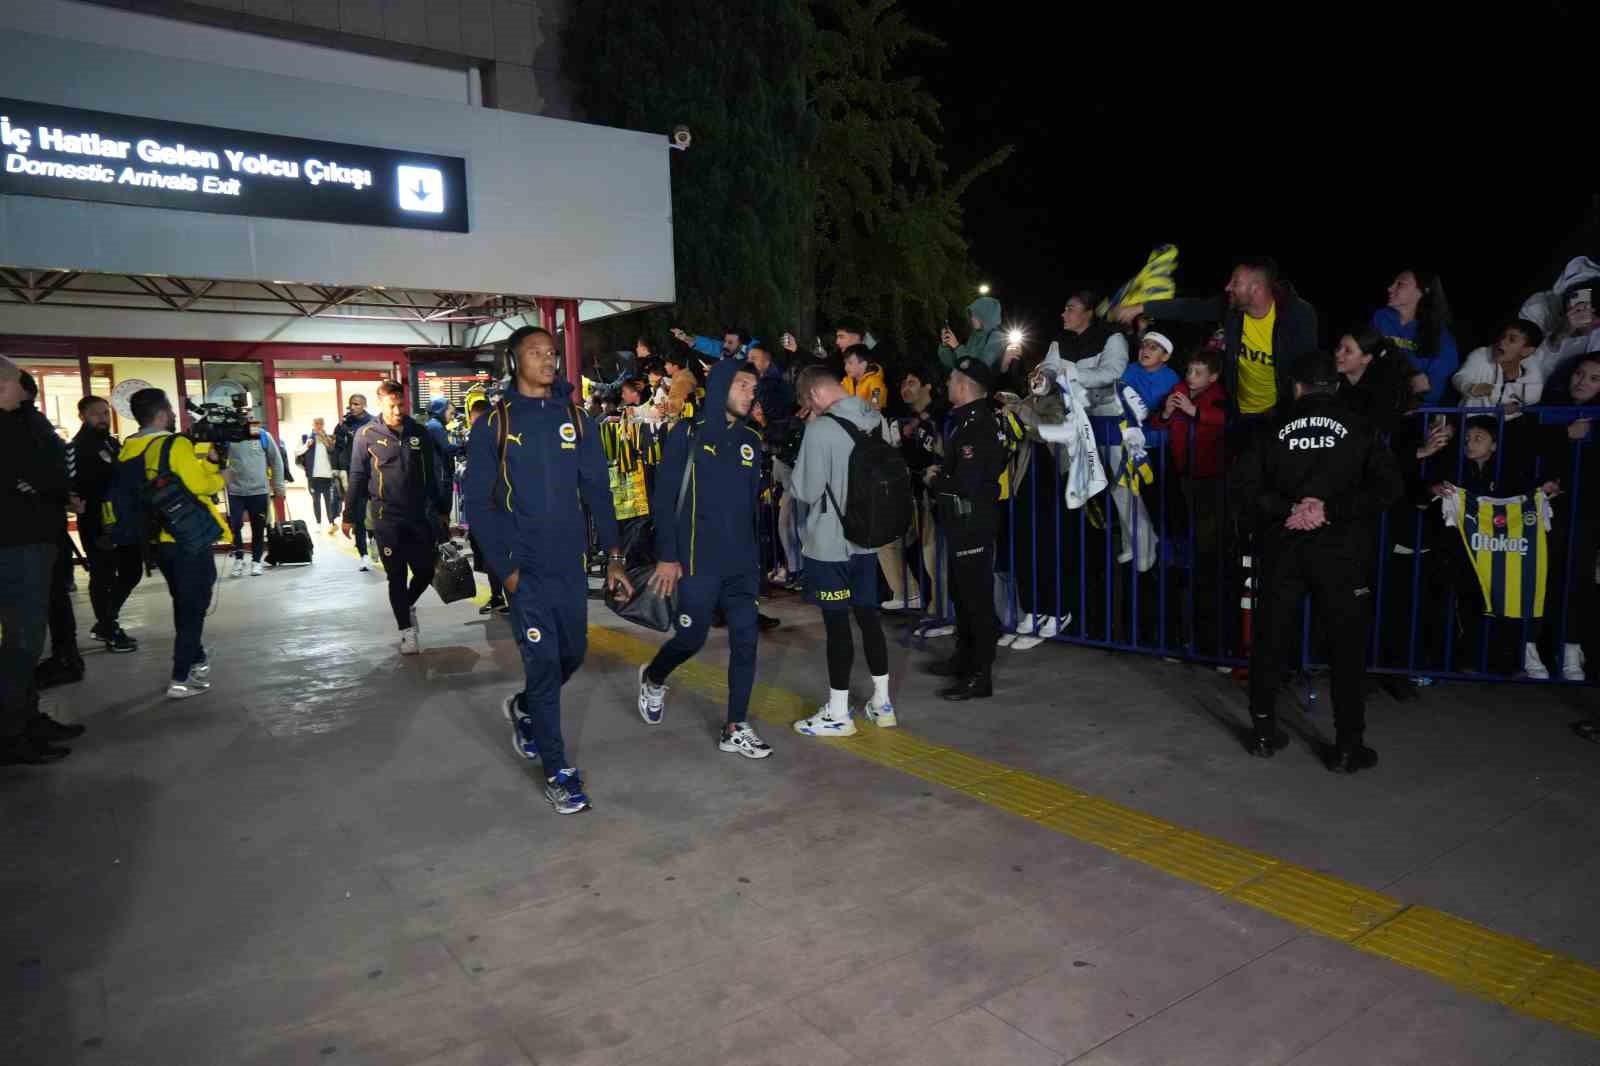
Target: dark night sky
pixel 1347 143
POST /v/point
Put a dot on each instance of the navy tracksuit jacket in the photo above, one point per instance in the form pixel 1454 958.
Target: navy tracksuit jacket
pixel 528 514
pixel 713 535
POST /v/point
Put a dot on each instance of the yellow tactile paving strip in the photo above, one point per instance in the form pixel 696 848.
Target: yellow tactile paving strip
pixel 1500 968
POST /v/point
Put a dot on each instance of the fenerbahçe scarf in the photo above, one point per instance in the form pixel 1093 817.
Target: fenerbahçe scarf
pixel 1506 545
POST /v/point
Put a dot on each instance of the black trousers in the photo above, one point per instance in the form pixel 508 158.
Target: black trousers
pixel 114 572
pixel 407 549
pixel 972 588
pixel 63 623
pixel 1341 598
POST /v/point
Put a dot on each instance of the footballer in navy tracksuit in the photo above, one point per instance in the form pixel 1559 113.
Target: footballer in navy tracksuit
pixel 707 546
pixel 532 460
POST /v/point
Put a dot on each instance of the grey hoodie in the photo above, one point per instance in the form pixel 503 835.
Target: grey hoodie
pixel 248 465
pixel 824 463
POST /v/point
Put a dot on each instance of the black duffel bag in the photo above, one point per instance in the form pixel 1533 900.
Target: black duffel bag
pixel 452 578
pixel 644 607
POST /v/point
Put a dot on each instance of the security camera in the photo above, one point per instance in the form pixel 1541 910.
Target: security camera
pixel 681 138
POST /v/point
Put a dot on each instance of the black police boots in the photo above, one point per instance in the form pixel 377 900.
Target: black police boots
pixel 978 686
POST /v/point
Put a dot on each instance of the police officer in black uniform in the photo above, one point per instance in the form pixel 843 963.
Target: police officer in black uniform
pixel 966 491
pixel 1313 491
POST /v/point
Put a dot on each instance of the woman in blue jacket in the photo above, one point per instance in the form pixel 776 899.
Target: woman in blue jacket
pixel 1417 323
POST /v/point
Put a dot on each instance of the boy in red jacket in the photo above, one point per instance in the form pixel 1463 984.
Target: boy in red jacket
pixel 1195 415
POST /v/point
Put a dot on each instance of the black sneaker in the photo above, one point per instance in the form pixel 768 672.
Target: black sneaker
pixel 25 751
pixel 1265 747
pixel 42 729
pixel 119 643
pixel 1352 760
pixel 58 671
pixel 491 607
pixel 766 623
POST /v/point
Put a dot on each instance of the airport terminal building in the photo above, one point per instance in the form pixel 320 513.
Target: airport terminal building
pixel 295 201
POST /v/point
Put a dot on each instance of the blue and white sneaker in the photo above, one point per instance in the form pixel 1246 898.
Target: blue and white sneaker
pixel 652 699
pixel 565 792
pixel 881 714
pixel 521 727
pixel 740 739
pixel 824 724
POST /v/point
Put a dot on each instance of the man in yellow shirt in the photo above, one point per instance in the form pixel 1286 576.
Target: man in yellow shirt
pixel 190 572
pixel 1266 328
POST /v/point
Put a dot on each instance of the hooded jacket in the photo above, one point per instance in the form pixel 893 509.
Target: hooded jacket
pixel 1294 333
pixel 823 468
pixel 986 344
pixel 436 430
pixel 33 479
pixel 526 511
pixel 344 435
pixel 255 467
pixel 872 387
pixel 714 531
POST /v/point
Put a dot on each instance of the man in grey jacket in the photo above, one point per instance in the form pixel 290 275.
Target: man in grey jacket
pixel 255 469
pixel 841 578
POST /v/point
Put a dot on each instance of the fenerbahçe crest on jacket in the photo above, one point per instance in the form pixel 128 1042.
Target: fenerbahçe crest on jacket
pixel 1506 545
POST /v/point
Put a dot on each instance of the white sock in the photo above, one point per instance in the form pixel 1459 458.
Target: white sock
pixel 838 703
pixel 880 689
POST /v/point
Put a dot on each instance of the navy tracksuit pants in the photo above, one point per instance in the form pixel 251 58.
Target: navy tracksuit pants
pixel 550 619
pixel 698 599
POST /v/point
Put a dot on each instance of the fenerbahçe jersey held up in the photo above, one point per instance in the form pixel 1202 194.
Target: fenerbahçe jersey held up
pixel 1505 540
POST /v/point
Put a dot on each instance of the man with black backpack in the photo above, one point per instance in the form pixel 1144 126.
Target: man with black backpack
pixel 164 480
pixel 966 494
pixel 858 491
pixel 393 467
pixel 708 548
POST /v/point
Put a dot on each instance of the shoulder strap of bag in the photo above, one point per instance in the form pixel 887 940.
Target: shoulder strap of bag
pixel 856 437
pixel 164 457
pixel 688 469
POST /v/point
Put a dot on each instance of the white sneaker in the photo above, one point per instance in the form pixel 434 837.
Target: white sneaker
pixel 1532 665
pixel 238 567
pixel 1006 640
pixel 742 740
pixel 201 671
pixel 408 641
pixel 1025 624
pixel 939 631
pixel 653 702
pixel 823 724
pixel 881 714
pixel 364 566
pixel 893 605
pixel 1572 663
pixel 255 570
pixel 1028 643
pixel 182 690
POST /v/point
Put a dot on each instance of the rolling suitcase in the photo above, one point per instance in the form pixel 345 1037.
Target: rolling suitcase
pixel 289 543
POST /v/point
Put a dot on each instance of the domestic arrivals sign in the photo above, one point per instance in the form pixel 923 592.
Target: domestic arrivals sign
pixel 95 155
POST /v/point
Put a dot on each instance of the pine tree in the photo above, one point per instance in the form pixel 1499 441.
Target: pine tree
pixel 741 197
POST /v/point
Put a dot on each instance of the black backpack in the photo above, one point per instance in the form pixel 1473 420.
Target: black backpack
pixel 877 507
pixel 141 507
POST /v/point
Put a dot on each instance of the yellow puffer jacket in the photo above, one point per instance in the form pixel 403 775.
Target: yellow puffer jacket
pixel 872 387
pixel 202 476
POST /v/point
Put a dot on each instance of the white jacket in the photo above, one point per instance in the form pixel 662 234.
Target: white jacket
pixel 1481 369
pixel 1544 308
pixel 1099 375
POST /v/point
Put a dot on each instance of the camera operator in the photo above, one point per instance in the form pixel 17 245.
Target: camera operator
pixel 395 484
pixel 33 486
pixel 189 568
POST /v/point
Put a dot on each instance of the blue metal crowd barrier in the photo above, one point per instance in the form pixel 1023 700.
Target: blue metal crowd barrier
pixel 1165 570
